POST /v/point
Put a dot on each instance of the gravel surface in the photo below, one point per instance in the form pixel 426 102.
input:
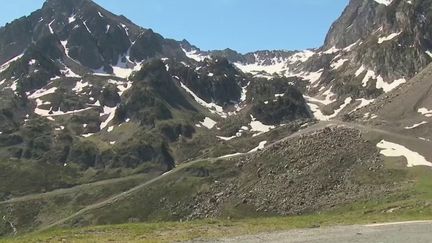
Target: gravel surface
pixel 412 232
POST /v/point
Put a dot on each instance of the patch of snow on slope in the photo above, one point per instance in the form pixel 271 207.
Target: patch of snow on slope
pixel 331 50
pixel 381 84
pixel 416 125
pixel 360 71
pixel 259 127
pixel 425 112
pixel 339 63
pixel 50 28
pixel 363 103
pixel 110 111
pixel 121 86
pixel 67 72
pixel 64 44
pixel 278 65
pixel 14 85
pixel 244 92
pixel 72 19
pixel 302 56
pixel 101 72
pixel 329 98
pixel 48 113
pixel 195 55
pixel 126 29
pixel 216 109
pixel 315 109
pixel 395 150
pixel 79 86
pixel 87 28
pixel 388 38
pixel 208 123
pixel 259 147
pixel 230 155
pixel 385 2
pixel 42 92
pixel 5 65
pixel 226 138
pixel 125 66
pixel 346 102
pixel 369 75
pixel 312 77
pixel 348 48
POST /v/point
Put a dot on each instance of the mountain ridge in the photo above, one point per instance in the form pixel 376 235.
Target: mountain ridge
pixel 88 96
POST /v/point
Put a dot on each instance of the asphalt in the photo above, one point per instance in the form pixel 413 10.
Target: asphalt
pixel 403 232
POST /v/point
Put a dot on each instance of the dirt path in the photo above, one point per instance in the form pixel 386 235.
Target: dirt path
pixel 61 191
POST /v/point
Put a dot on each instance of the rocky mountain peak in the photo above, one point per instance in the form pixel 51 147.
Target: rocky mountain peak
pixel 363 18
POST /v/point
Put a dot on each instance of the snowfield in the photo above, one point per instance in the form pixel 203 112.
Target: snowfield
pixel 389 149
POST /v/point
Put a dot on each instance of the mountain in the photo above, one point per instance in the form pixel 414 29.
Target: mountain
pixel 370 50
pixel 84 89
pixel 105 122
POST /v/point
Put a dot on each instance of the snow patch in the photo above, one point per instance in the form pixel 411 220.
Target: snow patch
pixel 360 71
pixel 389 37
pixel 302 56
pixel 110 111
pixel 226 138
pixel 42 92
pixel 5 65
pixel 384 2
pixel 72 19
pixel 121 86
pixel 79 86
pixel 216 109
pixel 259 147
pixel 381 84
pixel 332 50
pixel 259 127
pixel 208 123
pixel 425 112
pixel 416 125
pixel 195 55
pixel 315 109
pixel 339 63
pixel 395 150
pixel 50 28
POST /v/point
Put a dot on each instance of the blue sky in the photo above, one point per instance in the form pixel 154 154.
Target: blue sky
pixel 243 25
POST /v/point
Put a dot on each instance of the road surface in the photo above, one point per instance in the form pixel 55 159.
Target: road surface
pixel 404 232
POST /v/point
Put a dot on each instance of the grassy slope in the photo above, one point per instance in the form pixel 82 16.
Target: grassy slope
pixel 40 210
pixel 413 202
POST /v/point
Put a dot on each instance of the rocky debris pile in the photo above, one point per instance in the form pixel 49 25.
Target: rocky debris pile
pixel 306 174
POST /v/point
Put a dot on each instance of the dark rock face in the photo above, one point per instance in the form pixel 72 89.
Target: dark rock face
pixel 392 41
pixel 93 36
pixel 216 80
pixel 277 101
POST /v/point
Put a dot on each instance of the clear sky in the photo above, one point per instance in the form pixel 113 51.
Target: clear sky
pixel 243 25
